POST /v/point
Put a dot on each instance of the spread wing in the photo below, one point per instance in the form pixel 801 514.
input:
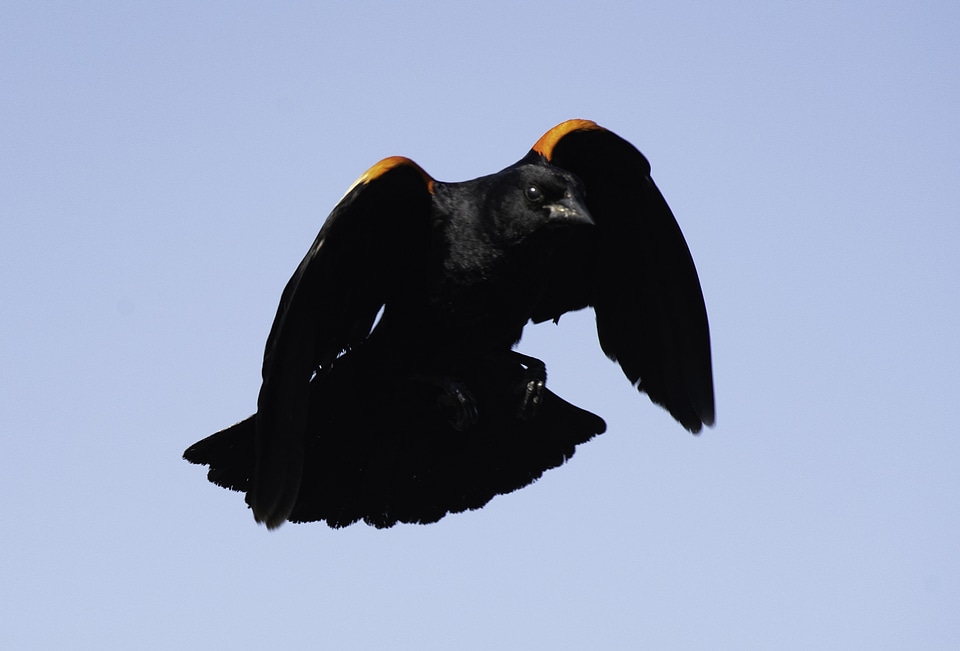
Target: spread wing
pixel 372 242
pixel 636 271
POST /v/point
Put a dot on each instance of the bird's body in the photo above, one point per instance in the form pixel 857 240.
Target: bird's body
pixel 430 410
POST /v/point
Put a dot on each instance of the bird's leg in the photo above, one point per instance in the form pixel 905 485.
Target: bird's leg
pixel 533 381
pixel 454 400
pixel 457 401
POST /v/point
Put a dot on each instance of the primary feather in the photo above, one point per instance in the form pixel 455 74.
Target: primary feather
pixel 432 411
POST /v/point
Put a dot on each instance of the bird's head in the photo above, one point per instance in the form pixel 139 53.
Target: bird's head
pixel 534 198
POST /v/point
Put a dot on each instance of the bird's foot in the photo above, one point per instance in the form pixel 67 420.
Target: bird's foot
pixel 458 404
pixel 454 400
pixel 533 385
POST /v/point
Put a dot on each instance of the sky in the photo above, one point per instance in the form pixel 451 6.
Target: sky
pixel 165 166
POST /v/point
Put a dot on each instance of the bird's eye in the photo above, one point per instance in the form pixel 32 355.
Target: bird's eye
pixel 533 193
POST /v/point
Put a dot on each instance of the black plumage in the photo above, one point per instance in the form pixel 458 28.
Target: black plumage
pixel 431 411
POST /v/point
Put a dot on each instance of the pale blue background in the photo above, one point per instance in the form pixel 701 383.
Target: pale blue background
pixel 164 166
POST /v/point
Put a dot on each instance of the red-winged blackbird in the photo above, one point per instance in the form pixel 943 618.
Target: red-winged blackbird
pixel 429 410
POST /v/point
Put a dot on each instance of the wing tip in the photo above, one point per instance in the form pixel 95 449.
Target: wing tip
pixel 704 415
pixel 273 512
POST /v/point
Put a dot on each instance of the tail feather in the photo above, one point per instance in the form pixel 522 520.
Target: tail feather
pixel 384 452
pixel 230 455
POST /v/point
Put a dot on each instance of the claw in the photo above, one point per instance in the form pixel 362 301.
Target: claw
pixel 534 381
pixel 454 400
pixel 532 395
pixel 457 401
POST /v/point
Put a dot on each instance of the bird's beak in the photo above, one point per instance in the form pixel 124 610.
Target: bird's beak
pixel 571 210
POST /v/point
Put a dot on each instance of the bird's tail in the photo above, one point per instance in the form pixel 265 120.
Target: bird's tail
pixel 229 453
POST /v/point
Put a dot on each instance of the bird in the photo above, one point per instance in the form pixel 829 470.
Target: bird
pixel 392 390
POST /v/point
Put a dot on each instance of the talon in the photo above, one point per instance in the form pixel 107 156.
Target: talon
pixel 453 399
pixel 532 396
pixel 534 379
pixel 462 407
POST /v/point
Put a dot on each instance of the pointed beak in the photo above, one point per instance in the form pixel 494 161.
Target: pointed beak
pixel 571 210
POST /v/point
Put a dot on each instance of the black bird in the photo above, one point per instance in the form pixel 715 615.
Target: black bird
pixel 429 410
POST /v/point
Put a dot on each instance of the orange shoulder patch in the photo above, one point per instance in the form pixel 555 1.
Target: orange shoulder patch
pixel 549 140
pixel 387 164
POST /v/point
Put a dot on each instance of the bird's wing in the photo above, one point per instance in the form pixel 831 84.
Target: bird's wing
pixel 639 275
pixel 375 238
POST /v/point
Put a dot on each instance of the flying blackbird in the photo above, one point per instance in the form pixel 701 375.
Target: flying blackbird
pixel 391 391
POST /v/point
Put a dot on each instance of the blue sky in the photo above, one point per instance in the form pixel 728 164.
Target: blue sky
pixel 163 168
